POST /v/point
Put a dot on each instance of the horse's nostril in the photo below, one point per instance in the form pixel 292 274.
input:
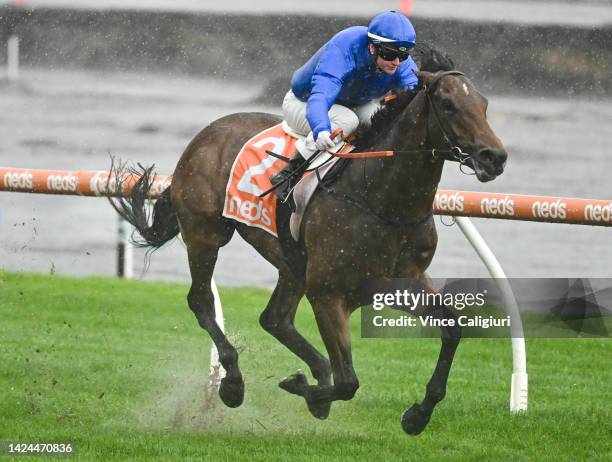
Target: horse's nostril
pixel 492 156
pixel 486 156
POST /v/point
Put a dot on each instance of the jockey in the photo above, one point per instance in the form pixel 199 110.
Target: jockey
pixel 340 85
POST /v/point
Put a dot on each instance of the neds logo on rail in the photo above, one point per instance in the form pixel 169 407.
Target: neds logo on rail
pixel 16 180
pixel 63 182
pixel 598 212
pixel 452 203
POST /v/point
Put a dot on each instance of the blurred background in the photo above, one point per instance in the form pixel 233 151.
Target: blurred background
pixel 138 79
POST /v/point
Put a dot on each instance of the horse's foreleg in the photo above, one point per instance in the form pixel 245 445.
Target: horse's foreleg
pixel 278 320
pixel 202 258
pixel 332 315
pixel 416 418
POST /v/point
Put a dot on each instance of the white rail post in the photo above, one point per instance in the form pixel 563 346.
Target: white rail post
pixel 216 372
pixel 519 383
pixel 12 62
pixel 125 251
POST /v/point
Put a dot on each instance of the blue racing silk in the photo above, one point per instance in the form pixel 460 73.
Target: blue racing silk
pixel 344 72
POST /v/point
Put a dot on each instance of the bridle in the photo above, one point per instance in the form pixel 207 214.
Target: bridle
pixel 453 154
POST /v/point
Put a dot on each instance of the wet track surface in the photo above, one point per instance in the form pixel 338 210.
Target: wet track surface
pixel 73 120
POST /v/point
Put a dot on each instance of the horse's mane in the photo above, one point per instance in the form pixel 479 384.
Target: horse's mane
pixel 428 59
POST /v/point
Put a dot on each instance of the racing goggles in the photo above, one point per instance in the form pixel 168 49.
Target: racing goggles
pixel 389 53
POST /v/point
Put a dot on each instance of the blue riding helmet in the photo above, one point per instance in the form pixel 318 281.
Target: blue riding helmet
pixel 392 28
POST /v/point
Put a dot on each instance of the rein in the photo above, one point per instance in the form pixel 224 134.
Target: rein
pixel 453 154
pixel 363 204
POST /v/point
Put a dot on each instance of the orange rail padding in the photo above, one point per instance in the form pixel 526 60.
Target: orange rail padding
pixel 447 202
pixel 70 183
pixel 522 207
pixel 406 7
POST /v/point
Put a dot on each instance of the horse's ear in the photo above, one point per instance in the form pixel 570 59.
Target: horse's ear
pixel 425 77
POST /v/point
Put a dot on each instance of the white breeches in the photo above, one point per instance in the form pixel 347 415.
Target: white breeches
pixel 294 112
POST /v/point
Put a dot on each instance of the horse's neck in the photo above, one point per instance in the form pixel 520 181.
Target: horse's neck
pixel 403 186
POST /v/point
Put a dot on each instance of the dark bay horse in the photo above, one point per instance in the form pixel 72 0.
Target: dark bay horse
pixel 377 224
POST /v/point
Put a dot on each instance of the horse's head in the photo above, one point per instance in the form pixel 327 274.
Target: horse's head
pixel 458 119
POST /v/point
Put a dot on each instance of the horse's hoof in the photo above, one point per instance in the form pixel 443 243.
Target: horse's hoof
pixel 415 420
pixel 295 383
pixel 319 410
pixel 231 391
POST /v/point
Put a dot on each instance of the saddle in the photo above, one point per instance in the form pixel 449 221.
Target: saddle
pixel 317 170
pixel 289 221
pixel 260 157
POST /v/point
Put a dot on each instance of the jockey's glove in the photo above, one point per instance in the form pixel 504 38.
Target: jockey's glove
pixel 324 141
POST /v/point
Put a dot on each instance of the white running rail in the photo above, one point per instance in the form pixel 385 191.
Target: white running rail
pixel 518 388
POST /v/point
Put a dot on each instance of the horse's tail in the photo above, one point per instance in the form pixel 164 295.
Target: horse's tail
pixel 133 209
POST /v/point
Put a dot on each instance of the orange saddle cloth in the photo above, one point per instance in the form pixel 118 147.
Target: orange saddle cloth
pixel 250 176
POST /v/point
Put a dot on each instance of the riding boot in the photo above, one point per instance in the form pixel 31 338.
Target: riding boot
pixel 289 176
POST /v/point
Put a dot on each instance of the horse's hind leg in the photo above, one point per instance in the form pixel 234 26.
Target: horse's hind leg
pixel 278 319
pixel 203 240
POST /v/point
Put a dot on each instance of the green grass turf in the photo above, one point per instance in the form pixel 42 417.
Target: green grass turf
pixel 119 367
